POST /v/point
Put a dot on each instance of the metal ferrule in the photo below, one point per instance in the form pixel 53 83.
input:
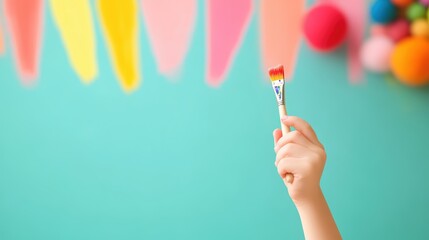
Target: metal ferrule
pixel 278 87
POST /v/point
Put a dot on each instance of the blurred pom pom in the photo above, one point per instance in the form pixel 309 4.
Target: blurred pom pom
pixel 424 2
pixel 402 3
pixel 420 28
pixel 375 53
pixel 410 61
pixel 416 11
pixel 398 30
pixel 325 27
pixel 383 11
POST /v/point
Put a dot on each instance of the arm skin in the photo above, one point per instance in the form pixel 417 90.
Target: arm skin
pixel 300 153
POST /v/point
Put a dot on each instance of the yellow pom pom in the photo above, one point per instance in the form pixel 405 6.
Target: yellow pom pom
pixel 420 28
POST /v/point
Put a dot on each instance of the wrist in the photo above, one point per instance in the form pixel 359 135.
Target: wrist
pixel 316 217
pixel 311 201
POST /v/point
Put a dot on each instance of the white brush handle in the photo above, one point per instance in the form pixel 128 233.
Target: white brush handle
pixel 285 130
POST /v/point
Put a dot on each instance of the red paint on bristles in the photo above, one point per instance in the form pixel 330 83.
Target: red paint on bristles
pixel 276 73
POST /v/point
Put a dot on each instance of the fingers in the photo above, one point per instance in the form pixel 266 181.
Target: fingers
pixel 277 134
pixel 301 126
pixel 292 137
pixel 288 165
pixel 291 150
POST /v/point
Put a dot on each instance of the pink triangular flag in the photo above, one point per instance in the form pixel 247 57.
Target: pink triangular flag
pixel 25 21
pixel 1 40
pixel 356 14
pixel 281 23
pixel 226 23
pixel 170 32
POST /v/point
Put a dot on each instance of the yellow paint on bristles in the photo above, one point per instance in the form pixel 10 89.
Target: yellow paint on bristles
pixel 276 73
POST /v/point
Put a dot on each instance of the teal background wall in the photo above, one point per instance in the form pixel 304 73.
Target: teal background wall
pixel 181 160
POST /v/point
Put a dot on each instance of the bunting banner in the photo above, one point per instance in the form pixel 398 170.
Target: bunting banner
pixel 24 19
pixel 227 22
pixel 281 29
pixel 74 21
pixel 119 21
pixel 170 32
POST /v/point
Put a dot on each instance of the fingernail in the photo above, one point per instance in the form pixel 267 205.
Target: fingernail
pixel 284 118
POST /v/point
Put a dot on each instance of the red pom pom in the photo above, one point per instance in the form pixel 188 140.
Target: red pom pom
pixel 325 27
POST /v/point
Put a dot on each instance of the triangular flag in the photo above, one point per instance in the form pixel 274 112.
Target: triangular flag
pixel 119 21
pixel 356 15
pixel 227 22
pixel 74 21
pixel 25 20
pixel 281 32
pixel 1 40
pixel 170 32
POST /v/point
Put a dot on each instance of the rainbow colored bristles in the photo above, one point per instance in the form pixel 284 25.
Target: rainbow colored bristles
pixel 278 82
pixel 276 73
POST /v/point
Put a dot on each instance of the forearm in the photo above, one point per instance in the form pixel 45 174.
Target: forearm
pixel 317 220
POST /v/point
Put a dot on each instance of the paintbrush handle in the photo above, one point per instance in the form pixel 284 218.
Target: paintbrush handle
pixel 285 130
pixel 282 113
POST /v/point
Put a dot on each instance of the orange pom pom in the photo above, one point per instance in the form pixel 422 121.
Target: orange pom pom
pixel 410 61
pixel 402 3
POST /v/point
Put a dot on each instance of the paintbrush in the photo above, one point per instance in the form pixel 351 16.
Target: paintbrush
pixel 278 82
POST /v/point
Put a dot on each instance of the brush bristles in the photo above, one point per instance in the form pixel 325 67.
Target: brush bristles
pixel 276 73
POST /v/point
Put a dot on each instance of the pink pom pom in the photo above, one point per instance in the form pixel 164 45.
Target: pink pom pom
pixel 398 30
pixel 375 53
pixel 424 2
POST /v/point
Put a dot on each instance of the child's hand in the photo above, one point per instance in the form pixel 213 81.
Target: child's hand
pixel 300 153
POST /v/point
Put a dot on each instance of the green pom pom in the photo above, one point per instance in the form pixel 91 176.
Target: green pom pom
pixel 416 11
